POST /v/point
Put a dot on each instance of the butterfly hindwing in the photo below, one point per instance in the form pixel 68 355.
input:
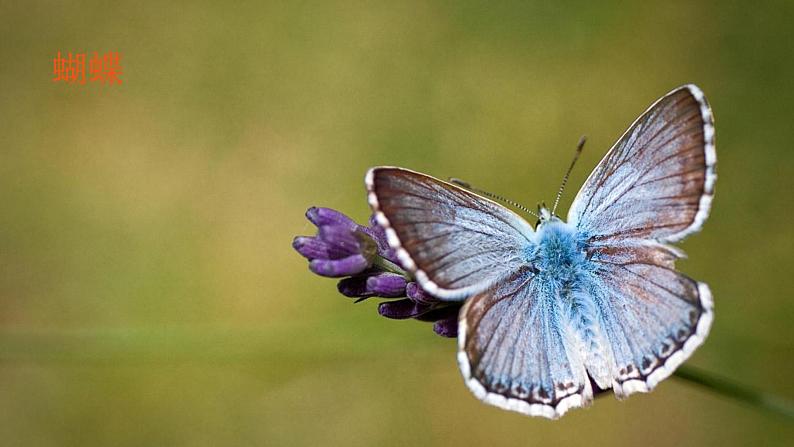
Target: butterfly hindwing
pixel 455 242
pixel 516 350
pixel 651 317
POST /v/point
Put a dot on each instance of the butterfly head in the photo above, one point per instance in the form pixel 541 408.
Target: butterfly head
pixel 544 215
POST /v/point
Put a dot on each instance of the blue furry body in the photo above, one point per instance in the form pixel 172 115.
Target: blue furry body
pixel 559 253
pixel 568 278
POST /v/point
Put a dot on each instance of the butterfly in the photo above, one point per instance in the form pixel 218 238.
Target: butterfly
pixel 556 312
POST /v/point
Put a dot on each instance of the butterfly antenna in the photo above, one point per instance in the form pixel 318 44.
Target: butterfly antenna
pixel 465 185
pixel 579 148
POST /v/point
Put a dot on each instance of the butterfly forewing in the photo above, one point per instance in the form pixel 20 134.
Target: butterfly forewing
pixel 456 242
pixel 657 181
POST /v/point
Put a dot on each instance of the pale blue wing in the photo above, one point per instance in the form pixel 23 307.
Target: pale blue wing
pixel 651 318
pixel 654 186
pixel 516 348
pixel 455 242
pixel 657 181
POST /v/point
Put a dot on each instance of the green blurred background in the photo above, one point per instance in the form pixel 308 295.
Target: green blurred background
pixel 148 291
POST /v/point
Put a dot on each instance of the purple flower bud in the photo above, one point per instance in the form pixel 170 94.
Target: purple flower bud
pixel 402 309
pixel 440 312
pixel 326 216
pixel 344 249
pixel 340 240
pixel 388 285
pixel 418 295
pixel 310 247
pixel 447 327
pixel 336 268
pixel 377 232
pixel 354 287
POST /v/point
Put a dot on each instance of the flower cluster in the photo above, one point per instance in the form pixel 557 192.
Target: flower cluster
pixel 368 267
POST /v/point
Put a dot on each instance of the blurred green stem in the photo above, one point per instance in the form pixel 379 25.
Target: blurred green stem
pixel 733 390
pixel 389 266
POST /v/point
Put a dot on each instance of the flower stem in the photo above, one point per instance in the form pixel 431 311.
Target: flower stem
pixel 389 266
pixel 725 387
